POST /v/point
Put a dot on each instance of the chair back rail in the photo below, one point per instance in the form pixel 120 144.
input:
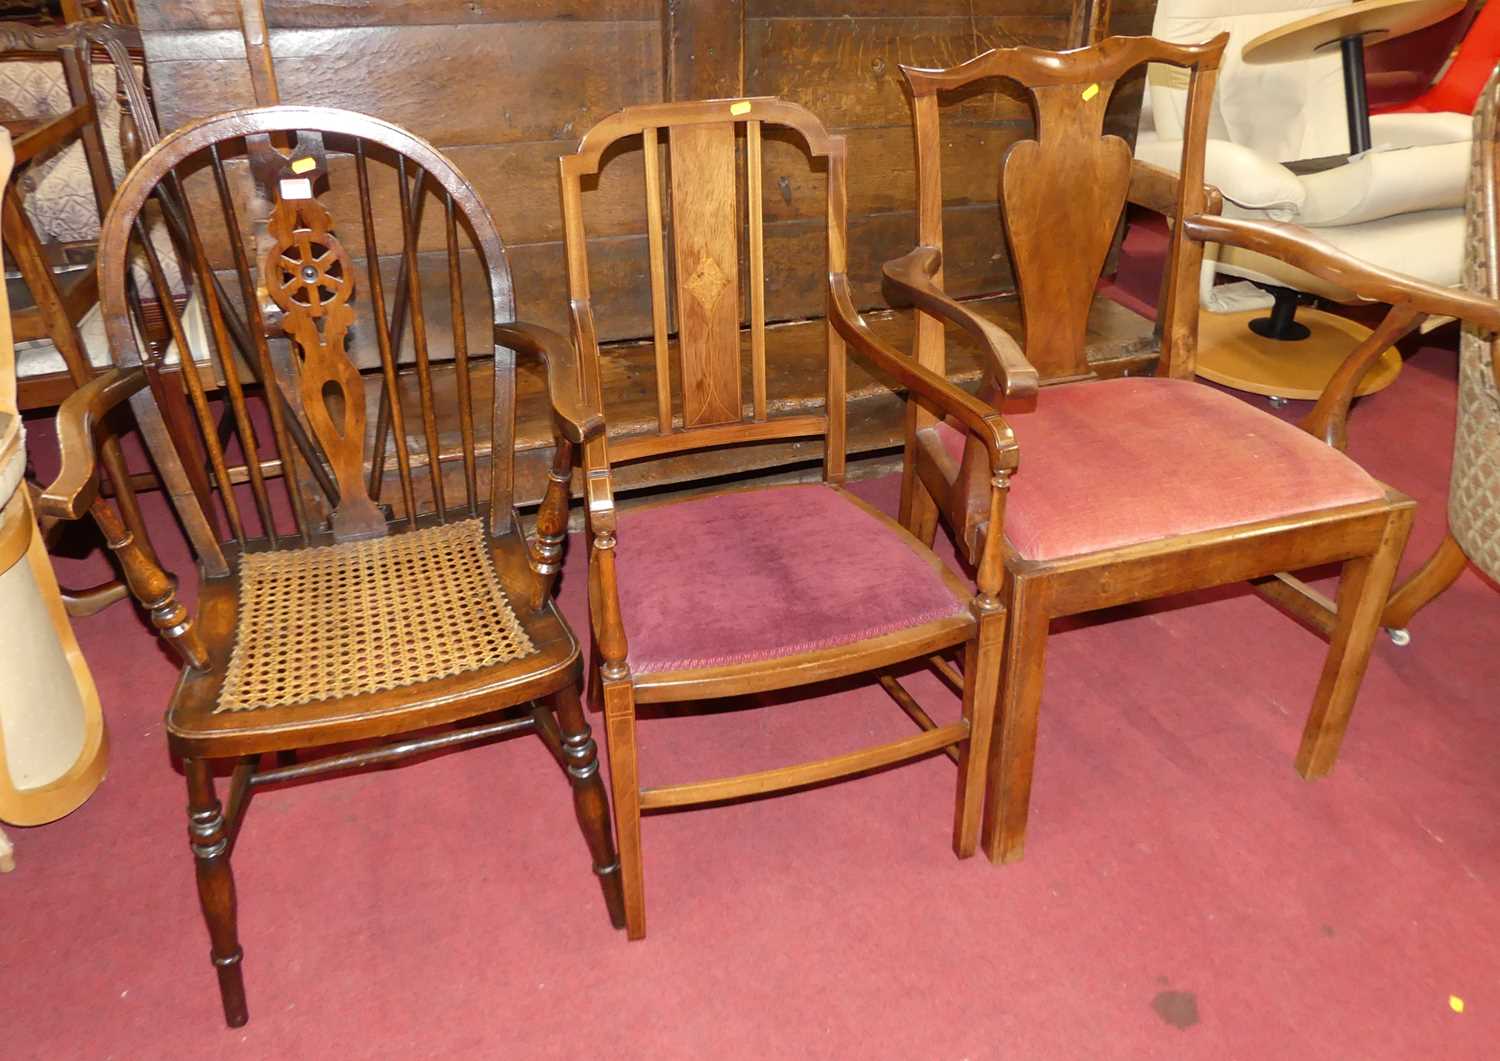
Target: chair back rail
pixel 1064 191
pixel 280 311
pixel 712 149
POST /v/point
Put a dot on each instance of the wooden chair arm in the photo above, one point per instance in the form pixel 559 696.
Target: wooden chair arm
pixel 73 491
pixel 50 134
pixel 981 419
pixel 1298 247
pixel 1156 189
pixel 914 273
pixel 561 362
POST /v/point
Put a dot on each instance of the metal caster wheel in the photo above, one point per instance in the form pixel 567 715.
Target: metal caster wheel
pixel 1277 402
pixel 1400 636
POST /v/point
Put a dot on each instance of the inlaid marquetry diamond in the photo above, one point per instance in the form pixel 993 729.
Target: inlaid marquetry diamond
pixel 707 283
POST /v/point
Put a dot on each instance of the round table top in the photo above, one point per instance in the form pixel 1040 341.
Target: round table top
pixel 1378 19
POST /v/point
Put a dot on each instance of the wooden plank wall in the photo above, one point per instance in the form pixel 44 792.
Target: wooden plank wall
pixel 505 86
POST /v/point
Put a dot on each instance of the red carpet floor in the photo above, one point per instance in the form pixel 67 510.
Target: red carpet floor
pixel 1183 895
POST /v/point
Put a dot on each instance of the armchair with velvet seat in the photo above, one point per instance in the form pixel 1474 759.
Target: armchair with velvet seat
pixel 772 587
pixel 1135 488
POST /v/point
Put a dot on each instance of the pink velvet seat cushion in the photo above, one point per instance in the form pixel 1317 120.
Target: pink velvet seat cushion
pixel 764 574
pixel 1117 462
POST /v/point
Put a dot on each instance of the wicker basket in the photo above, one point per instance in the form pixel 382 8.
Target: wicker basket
pixel 1474 491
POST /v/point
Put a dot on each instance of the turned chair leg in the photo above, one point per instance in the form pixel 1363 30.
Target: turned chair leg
pixel 209 839
pixel 1007 799
pixel 982 659
pixel 580 758
pixel 624 783
pixel 1364 586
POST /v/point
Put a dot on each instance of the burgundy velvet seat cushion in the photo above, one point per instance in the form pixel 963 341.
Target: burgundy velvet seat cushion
pixel 1117 462
pixel 764 574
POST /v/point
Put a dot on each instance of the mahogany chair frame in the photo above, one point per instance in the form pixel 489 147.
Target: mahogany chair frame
pixel 713 412
pixel 1063 193
pixel 303 354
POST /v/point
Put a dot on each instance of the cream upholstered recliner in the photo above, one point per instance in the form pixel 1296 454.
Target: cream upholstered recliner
pixel 1399 205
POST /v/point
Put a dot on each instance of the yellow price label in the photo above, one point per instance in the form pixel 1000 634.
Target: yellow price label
pixel 742 107
pixel 302 165
pixel 1090 92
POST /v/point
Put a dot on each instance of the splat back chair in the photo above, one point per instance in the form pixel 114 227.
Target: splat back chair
pixel 1132 488
pixel 325 621
pixel 767 588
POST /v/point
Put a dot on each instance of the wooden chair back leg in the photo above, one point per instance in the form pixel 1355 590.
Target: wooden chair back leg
pixel 625 788
pixel 983 656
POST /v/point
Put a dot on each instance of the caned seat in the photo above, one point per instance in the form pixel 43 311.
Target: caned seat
pixel 812 568
pixel 311 639
pixel 1192 459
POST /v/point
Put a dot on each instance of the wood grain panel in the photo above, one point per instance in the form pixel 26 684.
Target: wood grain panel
pixel 844 70
pixel 224 14
pixel 882 169
pixel 620 272
pixel 796 255
pixel 518 182
pixel 705 49
pixel 448 84
pixel 704 230
pixel 929 8
pixel 868 9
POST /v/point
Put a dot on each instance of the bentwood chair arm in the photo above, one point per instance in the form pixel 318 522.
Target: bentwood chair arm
pixel 73 491
pixel 980 418
pixel 913 275
pixel 1300 248
pixel 561 362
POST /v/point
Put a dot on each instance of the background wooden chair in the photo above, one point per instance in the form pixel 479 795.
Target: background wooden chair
pixel 771 587
pixel 1131 489
pixel 1474 485
pixel 333 617
pixel 76 122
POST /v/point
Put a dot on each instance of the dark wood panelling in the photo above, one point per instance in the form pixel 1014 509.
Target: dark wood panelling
pixel 796 277
pixel 319 14
pixel 506 86
pixel 704 46
pixel 452 85
pixel 845 70
pixel 971 157
pixel 517 182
